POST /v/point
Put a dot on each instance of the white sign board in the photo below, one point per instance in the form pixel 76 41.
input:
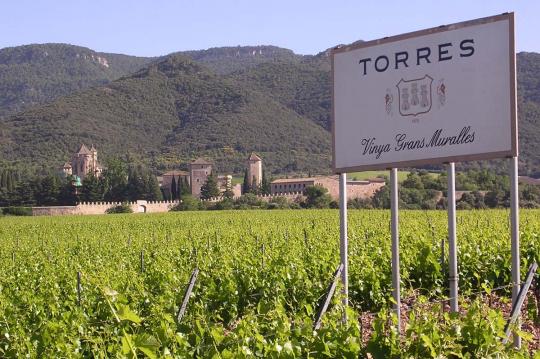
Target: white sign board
pixel 446 94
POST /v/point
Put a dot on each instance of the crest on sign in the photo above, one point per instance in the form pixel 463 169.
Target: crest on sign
pixel 415 96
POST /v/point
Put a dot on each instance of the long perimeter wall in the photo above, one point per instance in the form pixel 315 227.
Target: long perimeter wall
pixel 85 208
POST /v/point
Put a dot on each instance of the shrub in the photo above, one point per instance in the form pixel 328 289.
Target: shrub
pixel 317 197
pixel 248 200
pixel 188 203
pixel 17 211
pixel 121 208
pixel 360 203
pixel 279 202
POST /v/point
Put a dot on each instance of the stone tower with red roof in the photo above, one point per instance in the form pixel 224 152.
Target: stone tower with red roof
pixel 254 167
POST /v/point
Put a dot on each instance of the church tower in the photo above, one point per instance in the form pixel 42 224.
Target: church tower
pixel 254 167
pixel 84 162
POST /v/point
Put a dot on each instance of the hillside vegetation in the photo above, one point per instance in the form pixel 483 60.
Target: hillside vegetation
pixel 35 74
pixel 172 111
pixel 221 103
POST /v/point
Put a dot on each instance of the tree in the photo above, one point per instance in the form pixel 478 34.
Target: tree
pixel 188 203
pixel 317 197
pixel 413 181
pixel 142 184
pixel 174 189
pixel 151 190
pixel 265 184
pixel 47 191
pixel 115 180
pixel 23 193
pixel 135 183
pixel 67 196
pixel 254 187
pixel 246 188
pixel 228 193
pixel 183 187
pixel 381 198
pixel 210 188
pixel 92 189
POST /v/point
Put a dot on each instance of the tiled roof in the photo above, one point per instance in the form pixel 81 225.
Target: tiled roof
pixel 176 173
pixel 254 157
pixel 294 180
pixel 201 161
pixel 83 150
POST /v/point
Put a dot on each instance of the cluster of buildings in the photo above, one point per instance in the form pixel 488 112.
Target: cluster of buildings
pixel 82 163
pixel 85 162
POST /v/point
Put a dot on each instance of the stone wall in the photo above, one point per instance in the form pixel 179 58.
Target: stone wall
pixel 54 211
pixel 355 189
pixel 86 208
pixel 264 197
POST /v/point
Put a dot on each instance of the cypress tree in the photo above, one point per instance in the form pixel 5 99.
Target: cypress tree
pixel 3 178
pixel 180 190
pixel 246 188
pixel 10 181
pixel 174 189
pixel 186 189
pixel 92 189
pixel 152 190
pixel 265 185
pixel 210 188
pixel 254 187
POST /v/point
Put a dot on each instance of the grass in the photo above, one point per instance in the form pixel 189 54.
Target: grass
pixel 402 175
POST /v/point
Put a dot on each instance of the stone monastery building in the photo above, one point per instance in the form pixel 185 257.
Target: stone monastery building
pixel 83 163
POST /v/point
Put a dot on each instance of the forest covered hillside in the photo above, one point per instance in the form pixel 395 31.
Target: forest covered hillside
pixel 221 103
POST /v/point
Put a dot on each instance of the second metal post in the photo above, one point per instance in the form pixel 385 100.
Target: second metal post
pixel 514 219
pixel 343 243
pixel 452 246
pixel 394 203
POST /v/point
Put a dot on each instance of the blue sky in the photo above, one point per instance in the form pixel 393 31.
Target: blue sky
pixel 151 28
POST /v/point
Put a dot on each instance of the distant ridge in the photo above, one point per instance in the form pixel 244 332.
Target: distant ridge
pixel 220 103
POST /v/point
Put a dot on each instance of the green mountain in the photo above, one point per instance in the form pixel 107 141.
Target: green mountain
pixel 220 103
pixel 36 74
pixel 169 113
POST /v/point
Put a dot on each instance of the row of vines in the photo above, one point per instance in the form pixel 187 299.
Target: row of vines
pixel 262 277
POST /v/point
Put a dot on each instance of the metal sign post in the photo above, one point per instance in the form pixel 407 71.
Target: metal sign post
pixel 514 222
pixel 343 243
pixel 452 246
pixel 394 203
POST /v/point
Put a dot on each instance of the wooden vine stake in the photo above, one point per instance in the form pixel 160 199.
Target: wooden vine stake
pixel 187 294
pixel 263 254
pixel 330 292
pixel 79 289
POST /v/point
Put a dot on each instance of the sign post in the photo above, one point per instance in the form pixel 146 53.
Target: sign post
pixel 435 96
pixel 394 204
pixel 453 275
pixel 514 222
pixel 343 243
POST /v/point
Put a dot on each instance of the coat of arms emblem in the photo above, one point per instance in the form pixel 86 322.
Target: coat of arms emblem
pixel 415 96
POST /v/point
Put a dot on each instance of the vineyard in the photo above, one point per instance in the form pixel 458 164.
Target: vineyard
pixel 262 276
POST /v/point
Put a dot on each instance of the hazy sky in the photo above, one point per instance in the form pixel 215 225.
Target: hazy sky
pixel 151 28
